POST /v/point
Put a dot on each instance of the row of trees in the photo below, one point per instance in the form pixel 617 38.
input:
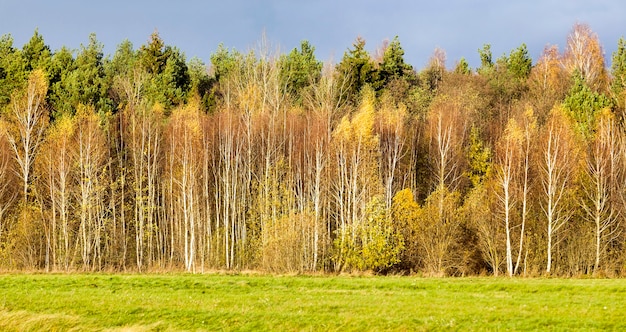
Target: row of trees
pixel 279 162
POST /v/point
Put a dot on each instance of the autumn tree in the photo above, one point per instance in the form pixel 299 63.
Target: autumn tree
pixel 8 192
pixel 143 139
pixel 229 177
pixel 485 250
pixel 438 230
pixel 90 160
pixel 446 130
pixel 27 122
pixel 183 143
pixel 325 101
pixel 390 126
pixel 357 179
pixel 478 204
pixel 528 126
pixel 128 94
pixel 56 168
pixel 440 221
pixel 584 55
pixel 405 213
pixel 558 156
pixel 479 158
pixel 507 169
pixel 379 242
pixel 602 172
pixel 548 81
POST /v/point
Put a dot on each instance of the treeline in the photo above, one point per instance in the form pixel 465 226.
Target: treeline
pixel 144 160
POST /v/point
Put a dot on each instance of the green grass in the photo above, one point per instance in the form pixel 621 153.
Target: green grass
pixel 248 302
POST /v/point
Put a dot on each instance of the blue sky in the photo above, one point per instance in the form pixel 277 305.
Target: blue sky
pixel 460 27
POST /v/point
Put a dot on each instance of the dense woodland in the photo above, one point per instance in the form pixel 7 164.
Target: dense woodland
pixel 146 161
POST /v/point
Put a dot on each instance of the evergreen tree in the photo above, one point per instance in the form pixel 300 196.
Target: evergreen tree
pixel 300 69
pixel 60 94
pixel 486 62
pixel 36 53
pixel 393 65
pixel 356 69
pixel 169 79
pixel 201 84
pixel 223 62
pixel 12 71
pixel 153 56
pixel 91 87
pixel 519 63
pixel 618 71
pixel 463 67
pixel 171 86
pixel 582 104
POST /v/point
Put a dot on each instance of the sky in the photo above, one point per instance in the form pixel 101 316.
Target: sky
pixel 459 27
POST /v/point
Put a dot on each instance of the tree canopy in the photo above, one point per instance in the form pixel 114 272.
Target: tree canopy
pixel 146 160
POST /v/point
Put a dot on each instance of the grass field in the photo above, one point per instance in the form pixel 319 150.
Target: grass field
pixel 251 302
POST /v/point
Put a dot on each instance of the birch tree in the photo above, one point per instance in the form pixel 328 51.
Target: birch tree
pixel 144 135
pixel 390 128
pixel 602 172
pixel 90 160
pixel 557 164
pixel 357 177
pixel 584 55
pixel 507 168
pixel 184 140
pixel 56 167
pixel 28 120
pixel 529 133
pixel 8 194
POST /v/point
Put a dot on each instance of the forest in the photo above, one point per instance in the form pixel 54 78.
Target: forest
pixel 146 161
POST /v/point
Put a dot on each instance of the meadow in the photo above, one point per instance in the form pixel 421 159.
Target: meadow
pixel 172 302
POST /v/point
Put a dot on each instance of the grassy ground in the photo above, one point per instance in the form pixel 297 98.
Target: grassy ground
pixel 227 302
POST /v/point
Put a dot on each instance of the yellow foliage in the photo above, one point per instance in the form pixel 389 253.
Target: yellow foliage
pixel 361 127
pixel 548 72
pixel 3 129
pixel 37 82
pixel 404 209
pixel 63 127
pixel 344 130
pixel 530 122
pixel 86 113
pixel 513 132
pixel 363 120
pixel 374 244
pixel 605 114
pixel 188 119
